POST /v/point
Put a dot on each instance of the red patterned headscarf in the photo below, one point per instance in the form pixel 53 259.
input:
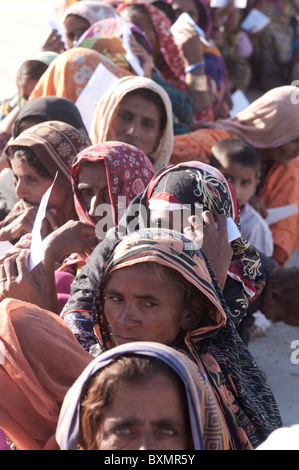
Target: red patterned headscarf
pixel 172 68
pixel 128 172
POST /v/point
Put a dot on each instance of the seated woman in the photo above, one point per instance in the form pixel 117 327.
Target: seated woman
pixel 269 124
pixel 110 174
pixel 105 178
pixel 170 194
pixel 35 157
pixel 187 63
pixel 134 379
pixel 70 72
pixel 235 44
pixel 275 48
pixel 218 76
pixel 106 37
pixel 136 110
pixel 79 16
pixel 199 11
pixel 190 186
pixel 49 108
pixel 128 307
pixel 156 286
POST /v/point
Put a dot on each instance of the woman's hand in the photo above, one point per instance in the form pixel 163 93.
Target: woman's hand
pixel 227 16
pixel 54 43
pixel 20 226
pixel 23 224
pixel 213 241
pixel 72 237
pixel 190 45
pixel 17 282
pixel 146 60
pixel 219 15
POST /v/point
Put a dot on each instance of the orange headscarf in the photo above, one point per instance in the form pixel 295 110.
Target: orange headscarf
pixel 70 72
pixel 32 387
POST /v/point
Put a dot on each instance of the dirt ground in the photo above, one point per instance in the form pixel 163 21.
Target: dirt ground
pixel 23 29
pixel 277 358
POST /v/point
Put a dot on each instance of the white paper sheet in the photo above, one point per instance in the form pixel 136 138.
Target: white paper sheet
pixel 54 22
pixel 223 3
pixel 183 20
pixel 279 213
pixel 232 229
pixel 98 83
pixel 255 21
pixel 131 58
pixel 36 247
pixel 239 101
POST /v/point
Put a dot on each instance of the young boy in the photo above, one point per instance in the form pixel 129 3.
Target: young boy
pixel 240 163
pixel 279 300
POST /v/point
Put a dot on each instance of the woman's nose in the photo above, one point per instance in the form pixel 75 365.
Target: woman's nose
pixel 93 206
pixel 147 442
pixel 21 189
pixel 133 129
pixel 127 316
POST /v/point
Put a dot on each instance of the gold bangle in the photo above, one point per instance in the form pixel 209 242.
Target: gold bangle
pixel 197 82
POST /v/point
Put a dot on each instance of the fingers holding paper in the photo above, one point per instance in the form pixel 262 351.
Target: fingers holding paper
pixel 18 282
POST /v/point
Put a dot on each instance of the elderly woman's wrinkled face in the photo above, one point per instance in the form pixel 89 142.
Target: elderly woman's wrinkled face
pixel 141 307
pixel 93 187
pixel 137 420
pixel 136 121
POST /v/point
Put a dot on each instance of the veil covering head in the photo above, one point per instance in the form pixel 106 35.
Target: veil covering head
pixel 215 346
pixel 208 428
pixel 268 122
pixel 68 74
pixel 112 98
pixel 128 171
pixel 194 183
pixel 91 11
pixel 55 144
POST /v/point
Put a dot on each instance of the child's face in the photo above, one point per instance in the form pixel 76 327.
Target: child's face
pixel 243 179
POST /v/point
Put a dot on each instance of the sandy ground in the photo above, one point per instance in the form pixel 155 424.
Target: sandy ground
pixel 24 28
pixel 275 354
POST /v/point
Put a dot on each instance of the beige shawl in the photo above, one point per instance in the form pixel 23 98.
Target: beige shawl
pixel 270 121
pixel 111 99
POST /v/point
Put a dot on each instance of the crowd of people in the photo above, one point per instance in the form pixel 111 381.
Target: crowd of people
pixel 155 254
